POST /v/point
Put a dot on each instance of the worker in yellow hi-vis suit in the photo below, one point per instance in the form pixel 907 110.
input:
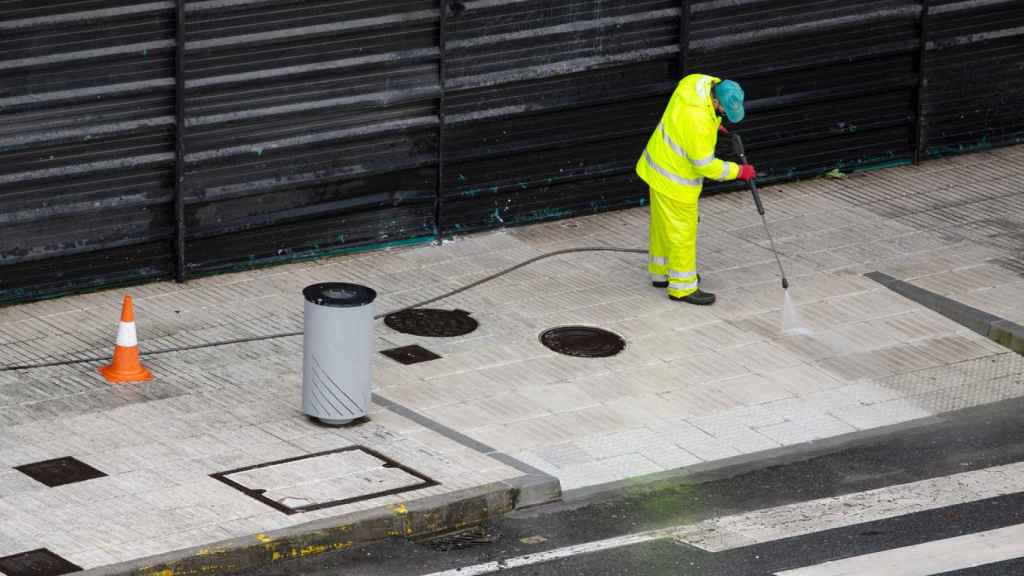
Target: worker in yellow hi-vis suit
pixel 679 155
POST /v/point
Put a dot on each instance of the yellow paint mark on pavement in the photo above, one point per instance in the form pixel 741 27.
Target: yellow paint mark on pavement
pixel 401 509
pixel 314 549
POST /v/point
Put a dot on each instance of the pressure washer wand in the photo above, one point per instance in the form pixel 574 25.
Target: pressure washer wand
pixel 737 146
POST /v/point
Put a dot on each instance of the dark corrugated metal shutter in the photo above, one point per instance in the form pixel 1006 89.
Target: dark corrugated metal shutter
pixel 829 82
pixel 86 144
pixel 975 59
pixel 312 125
pixel 318 125
pixel 549 105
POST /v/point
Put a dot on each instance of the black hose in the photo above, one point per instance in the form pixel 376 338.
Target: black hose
pixel 497 275
pixel 459 290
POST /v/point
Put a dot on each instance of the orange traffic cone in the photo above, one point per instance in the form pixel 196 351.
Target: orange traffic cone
pixel 126 366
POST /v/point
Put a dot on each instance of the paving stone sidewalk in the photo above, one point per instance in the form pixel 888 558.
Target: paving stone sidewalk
pixel 218 411
pixel 694 385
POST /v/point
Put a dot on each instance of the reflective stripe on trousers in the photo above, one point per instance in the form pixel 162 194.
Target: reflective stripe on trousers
pixel 683 280
pixel 690 286
pixel 673 240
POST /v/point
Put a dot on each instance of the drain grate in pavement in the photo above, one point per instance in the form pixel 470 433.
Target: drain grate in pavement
pixel 410 354
pixel 583 341
pixel 39 562
pixel 323 480
pixel 60 471
pixel 463 539
pixel 432 322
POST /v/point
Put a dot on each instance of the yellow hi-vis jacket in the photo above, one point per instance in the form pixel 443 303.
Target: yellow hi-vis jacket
pixel 681 152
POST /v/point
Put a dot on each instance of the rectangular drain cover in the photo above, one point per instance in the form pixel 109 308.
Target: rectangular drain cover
pixel 325 479
pixel 39 562
pixel 60 471
pixel 410 354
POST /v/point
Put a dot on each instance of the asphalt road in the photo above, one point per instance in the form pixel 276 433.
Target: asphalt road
pixel 951 518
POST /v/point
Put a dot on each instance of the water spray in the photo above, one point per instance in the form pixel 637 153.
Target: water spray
pixel 791 322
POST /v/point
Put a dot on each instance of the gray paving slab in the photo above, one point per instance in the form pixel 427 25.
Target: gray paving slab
pixel 695 386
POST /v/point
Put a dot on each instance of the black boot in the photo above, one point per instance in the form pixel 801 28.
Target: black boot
pixel 700 298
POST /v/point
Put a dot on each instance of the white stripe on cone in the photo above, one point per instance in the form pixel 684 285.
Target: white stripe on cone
pixel 126 335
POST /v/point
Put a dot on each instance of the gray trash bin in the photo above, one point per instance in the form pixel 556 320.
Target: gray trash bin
pixel 337 360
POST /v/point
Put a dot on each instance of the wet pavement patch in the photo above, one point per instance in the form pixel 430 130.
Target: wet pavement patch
pixel 410 354
pixel 583 341
pixel 60 471
pixel 39 562
pixel 326 479
pixel 432 322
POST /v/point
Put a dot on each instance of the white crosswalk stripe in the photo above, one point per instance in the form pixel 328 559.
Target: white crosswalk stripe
pixel 812 516
pixel 558 553
pixel 929 558
pixel 802 518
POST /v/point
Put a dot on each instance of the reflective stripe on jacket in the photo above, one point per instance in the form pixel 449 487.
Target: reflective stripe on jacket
pixel 681 152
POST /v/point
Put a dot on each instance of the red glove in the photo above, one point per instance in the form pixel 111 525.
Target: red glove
pixel 747 173
pixel 721 128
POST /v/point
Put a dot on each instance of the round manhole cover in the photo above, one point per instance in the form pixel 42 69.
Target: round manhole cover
pixel 583 341
pixel 431 322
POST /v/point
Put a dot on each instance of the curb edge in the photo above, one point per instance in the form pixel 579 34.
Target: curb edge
pixel 410 520
pixel 1004 332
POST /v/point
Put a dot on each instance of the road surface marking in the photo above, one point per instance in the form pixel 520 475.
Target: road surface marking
pixel 558 553
pixel 796 519
pixel 936 557
pixel 801 518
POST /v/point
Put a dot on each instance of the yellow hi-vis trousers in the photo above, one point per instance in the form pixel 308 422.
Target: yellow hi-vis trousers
pixel 673 244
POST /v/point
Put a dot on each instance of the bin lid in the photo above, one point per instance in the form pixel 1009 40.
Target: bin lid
pixel 339 294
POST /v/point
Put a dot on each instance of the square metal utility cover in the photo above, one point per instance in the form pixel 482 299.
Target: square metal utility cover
pixel 40 562
pixel 410 354
pixel 60 471
pixel 323 480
